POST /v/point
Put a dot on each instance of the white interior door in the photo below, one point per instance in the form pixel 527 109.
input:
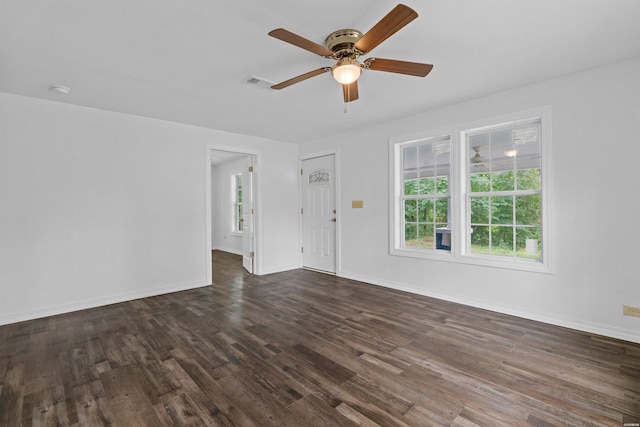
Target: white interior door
pixel 319 214
pixel 247 217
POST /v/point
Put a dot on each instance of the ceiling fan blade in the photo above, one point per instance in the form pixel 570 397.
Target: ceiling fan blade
pixel 301 77
pixel 296 40
pixel 350 91
pixel 400 16
pixel 401 67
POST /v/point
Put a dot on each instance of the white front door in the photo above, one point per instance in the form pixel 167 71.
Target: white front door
pixel 247 217
pixel 319 214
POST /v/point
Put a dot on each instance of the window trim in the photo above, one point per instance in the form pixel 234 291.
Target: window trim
pixel 458 191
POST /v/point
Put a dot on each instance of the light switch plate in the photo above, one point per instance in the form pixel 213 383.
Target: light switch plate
pixel 628 310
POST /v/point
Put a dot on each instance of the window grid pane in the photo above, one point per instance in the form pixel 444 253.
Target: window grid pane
pixel 422 217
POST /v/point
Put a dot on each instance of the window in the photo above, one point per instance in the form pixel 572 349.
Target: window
pixel 425 193
pixel 477 194
pixel 236 203
pixel 504 191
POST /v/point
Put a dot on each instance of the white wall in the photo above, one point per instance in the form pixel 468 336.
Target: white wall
pixel 223 239
pixel 595 217
pixel 98 207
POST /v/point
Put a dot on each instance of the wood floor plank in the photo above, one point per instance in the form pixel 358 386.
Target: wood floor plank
pixel 314 411
pixel 92 406
pixel 303 348
pixel 355 416
pixel 193 376
pixel 210 413
pixel 130 396
pixel 261 411
pixel 52 410
pixel 179 410
pixel 12 397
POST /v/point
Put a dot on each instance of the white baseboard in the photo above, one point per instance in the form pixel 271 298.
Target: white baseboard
pixel 95 302
pixel 279 269
pixel 603 330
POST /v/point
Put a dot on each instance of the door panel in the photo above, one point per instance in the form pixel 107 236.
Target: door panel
pixel 319 214
pixel 247 217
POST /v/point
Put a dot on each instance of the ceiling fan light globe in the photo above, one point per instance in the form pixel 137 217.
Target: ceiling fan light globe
pixel 346 73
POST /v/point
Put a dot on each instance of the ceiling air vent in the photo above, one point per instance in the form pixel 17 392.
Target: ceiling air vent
pixel 258 82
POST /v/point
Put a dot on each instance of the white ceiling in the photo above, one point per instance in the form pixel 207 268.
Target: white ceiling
pixel 185 60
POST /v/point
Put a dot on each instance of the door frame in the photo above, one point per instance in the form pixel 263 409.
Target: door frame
pixel 257 202
pixel 336 161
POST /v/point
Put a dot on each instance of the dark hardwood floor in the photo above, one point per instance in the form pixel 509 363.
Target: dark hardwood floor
pixel 307 349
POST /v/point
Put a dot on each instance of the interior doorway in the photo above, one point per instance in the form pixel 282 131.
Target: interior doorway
pixel 231 208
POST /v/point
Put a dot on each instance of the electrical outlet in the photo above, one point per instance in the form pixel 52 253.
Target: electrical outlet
pixel 628 310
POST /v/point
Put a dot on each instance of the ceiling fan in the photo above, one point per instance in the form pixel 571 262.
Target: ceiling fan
pixel 345 46
pixel 477 160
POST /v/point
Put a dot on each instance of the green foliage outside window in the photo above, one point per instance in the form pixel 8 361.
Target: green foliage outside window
pixel 503 223
pixel 422 215
pixel 432 185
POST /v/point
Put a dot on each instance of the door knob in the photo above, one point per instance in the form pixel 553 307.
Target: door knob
pixel 333 220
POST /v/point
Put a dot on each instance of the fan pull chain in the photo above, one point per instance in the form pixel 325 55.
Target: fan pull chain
pixel 347 112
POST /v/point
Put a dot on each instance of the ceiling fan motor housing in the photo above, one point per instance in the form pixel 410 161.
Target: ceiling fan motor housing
pixel 342 41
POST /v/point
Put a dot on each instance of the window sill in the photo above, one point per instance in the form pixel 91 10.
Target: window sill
pixel 435 254
pixel 472 259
